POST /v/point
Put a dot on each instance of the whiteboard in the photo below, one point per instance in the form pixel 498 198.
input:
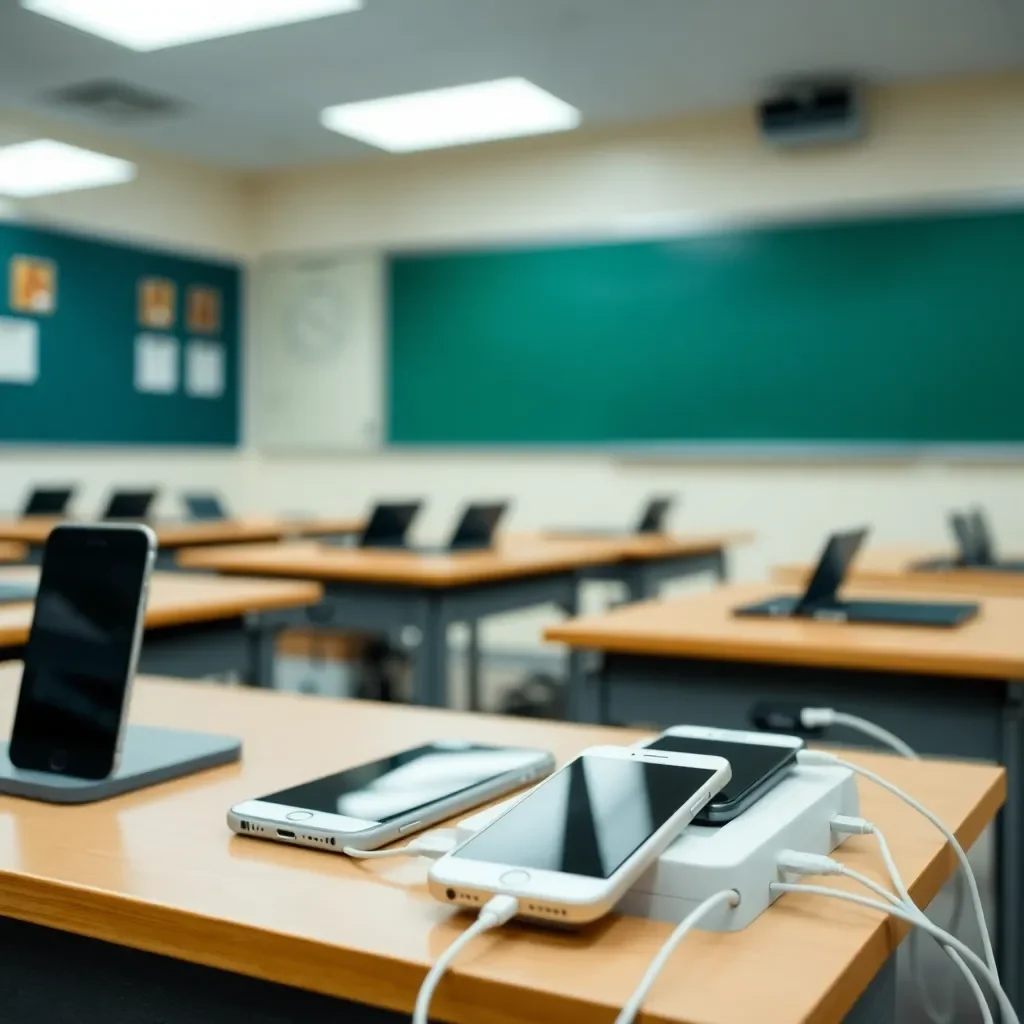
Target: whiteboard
pixel 317 358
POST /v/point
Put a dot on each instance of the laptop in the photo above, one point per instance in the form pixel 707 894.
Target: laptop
pixel 820 600
pixel 133 505
pixel 205 507
pixel 474 530
pixel 975 544
pixel 388 525
pixel 48 501
pixel 652 520
pixel 17 593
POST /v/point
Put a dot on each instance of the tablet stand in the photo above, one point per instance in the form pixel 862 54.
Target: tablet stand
pixel 149 755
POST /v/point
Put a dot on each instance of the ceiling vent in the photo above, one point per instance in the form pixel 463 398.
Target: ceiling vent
pixel 114 101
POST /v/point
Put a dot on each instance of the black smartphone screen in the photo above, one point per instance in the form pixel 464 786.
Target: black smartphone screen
pixel 79 651
pixel 751 763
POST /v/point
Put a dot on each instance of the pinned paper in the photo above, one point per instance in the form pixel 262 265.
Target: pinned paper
pixel 158 299
pixel 33 285
pixel 204 369
pixel 156 364
pixel 19 351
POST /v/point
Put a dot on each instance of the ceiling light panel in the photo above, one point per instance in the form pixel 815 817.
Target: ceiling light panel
pixel 44 166
pixel 502 109
pixel 156 24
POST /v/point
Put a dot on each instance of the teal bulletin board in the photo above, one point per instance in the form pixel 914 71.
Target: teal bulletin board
pixel 86 303
pixel 880 333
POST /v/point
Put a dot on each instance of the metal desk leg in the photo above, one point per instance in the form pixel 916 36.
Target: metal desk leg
pixel 877 1003
pixel 639 586
pixel 1010 837
pixel 430 664
pixel 262 644
pixel 473 664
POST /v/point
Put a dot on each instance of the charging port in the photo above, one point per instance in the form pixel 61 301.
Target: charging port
pixel 285 834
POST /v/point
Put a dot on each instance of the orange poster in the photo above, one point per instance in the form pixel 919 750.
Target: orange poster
pixel 158 299
pixel 33 285
pixel 203 310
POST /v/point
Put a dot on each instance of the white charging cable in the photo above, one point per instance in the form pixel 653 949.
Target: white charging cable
pixel 433 846
pixel 820 758
pixel 495 912
pixel 823 718
pixel 917 919
pixel 793 862
pixel 725 898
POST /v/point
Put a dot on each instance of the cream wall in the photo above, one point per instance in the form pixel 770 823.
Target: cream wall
pixel 944 142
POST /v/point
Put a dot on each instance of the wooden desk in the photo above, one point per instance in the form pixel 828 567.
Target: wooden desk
pixel 955 693
pixel 381 591
pixel 645 561
pixel 896 566
pixel 158 871
pixel 10 552
pixel 33 532
pixel 195 625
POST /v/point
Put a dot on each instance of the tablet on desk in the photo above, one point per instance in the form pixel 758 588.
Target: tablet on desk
pixel 474 531
pixel 820 600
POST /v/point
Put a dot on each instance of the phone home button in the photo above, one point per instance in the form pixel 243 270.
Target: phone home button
pixel 515 878
pixel 299 815
pixel 58 761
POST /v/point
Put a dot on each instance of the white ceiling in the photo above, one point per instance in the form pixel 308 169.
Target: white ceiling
pixel 252 101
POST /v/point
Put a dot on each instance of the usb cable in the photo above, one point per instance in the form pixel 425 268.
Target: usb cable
pixel 433 846
pixel 495 912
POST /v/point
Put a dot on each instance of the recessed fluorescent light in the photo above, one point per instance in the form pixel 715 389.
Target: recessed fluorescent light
pixel 503 109
pixel 44 166
pixel 155 24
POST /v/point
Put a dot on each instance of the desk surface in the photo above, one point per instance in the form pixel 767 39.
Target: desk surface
pixel 704 626
pixel 893 565
pixel 178 598
pixel 513 557
pixel 11 552
pixel 641 547
pixel 182 533
pixel 159 870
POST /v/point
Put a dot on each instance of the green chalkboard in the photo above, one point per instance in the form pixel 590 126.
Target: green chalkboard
pixel 890 331
pixel 85 391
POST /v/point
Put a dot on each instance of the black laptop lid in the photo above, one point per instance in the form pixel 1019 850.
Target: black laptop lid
pixel 389 523
pixel 984 544
pixel 129 504
pixel 205 506
pixel 477 525
pixel 963 531
pixel 653 519
pixel 48 501
pixel 840 551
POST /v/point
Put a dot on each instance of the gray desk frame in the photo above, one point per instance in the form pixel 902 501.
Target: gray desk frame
pixel 944 716
pixel 643 577
pixel 242 645
pixel 97 982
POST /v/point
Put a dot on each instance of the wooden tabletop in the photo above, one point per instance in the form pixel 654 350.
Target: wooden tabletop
pixel 704 626
pixel 639 547
pixel 178 598
pixel 513 557
pixel 158 870
pixel 11 552
pixel 181 533
pixel 896 565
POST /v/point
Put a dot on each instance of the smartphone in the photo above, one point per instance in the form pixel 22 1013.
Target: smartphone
pixel 82 650
pixel 759 762
pixel 375 804
pixel 571 847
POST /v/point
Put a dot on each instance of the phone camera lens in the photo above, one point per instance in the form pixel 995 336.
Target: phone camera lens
pixel 450 894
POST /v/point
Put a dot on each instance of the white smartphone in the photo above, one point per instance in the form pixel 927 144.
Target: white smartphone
pixel 571 847
pixel 83 649
pixel 759 761
pixel 374 804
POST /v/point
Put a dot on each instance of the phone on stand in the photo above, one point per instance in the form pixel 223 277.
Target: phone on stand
pixel 82 650
pixel 571 847
pixel 759 762
pixel 374 804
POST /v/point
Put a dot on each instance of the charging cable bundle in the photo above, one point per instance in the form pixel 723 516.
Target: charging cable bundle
pixel 794 864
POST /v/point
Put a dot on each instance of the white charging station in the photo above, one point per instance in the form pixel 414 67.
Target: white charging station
pixel 741 855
